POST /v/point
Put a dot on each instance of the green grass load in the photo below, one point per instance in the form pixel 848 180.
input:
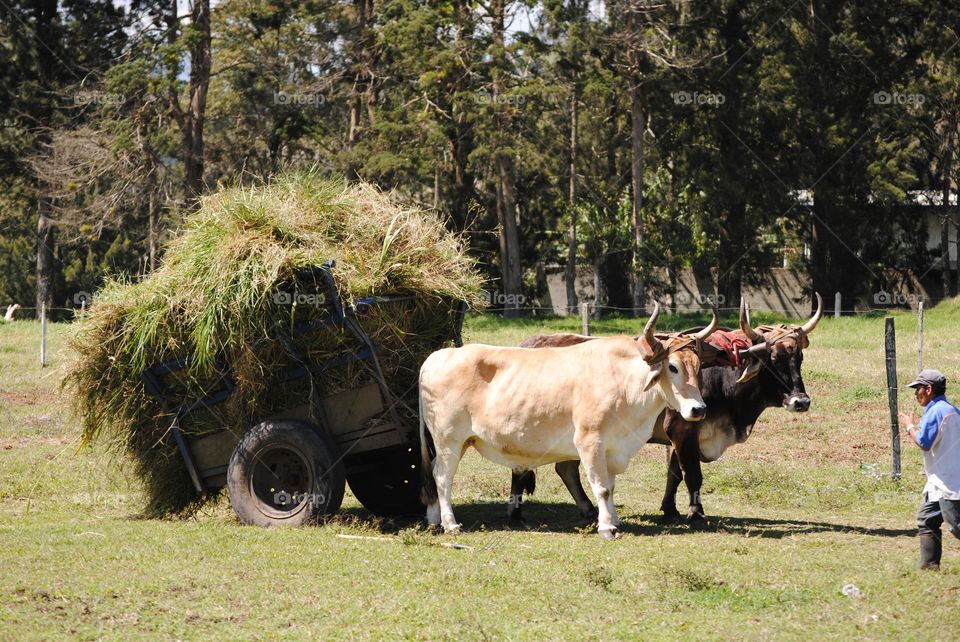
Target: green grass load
pixel 221 298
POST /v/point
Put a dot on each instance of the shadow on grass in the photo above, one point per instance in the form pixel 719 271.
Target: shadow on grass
pixel 778 528
pixel 565 518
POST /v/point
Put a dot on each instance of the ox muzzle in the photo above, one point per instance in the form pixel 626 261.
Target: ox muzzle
pixel 796 402
pixel 693 411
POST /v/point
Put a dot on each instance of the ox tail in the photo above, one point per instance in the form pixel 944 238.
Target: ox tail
pixel 428 485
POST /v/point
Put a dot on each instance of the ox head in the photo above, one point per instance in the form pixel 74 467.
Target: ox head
pixel 779 351
pixel 675 365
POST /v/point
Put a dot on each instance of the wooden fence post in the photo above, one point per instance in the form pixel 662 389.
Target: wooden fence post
pixel 585 318
pixel 43 335
pixel 836 306
pixel 890 345
pixel 920 337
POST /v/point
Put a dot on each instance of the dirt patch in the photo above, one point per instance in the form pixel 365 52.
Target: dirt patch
pixel 19 398
pixel 18 443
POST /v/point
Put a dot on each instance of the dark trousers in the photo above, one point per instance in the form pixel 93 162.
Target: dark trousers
pixel 933 514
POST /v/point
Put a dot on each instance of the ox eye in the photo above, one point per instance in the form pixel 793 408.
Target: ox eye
pixel 673 369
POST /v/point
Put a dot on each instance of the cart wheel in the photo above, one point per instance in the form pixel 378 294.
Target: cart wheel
pixel 388 484
pixel 284 473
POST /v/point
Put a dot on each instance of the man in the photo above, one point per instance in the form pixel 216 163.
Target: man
pixel 938 434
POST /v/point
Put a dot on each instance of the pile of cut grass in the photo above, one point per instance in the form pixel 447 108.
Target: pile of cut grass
pixel 231 283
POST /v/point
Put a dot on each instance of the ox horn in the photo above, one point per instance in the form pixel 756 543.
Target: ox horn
pixel 745 326
pixel 759 350
pixel 707 331
pixel 648 329
pixel 815 319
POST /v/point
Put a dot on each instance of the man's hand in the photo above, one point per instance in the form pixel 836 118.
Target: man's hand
pixel 906 419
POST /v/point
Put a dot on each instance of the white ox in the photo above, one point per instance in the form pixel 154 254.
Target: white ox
pixel 596 401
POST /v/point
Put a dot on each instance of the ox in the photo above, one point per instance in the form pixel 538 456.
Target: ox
pixel 766 374
pixel 596 401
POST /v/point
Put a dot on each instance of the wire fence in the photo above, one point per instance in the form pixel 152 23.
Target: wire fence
pixel 589 310
pixel 604 310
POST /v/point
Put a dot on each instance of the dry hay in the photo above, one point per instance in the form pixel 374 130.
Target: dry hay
pixel 215 299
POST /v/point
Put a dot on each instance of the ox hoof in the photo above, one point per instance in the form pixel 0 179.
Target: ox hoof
pixel 515 515
pixel 697 521
pixel 671 517
pixel 452 530
pixel 610 534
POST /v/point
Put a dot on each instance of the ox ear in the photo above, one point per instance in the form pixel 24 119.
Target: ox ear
pixel 751 371
pixel 653 376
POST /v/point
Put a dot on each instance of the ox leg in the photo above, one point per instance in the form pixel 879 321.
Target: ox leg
pixel 601 482
pixel 677 430
pixel 674 477
pixel 569 472
pixel 693 478
pixel 444 468
pixel 686 457
pixel 521 481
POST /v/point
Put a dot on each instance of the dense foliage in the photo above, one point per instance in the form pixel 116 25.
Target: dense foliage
pixel 636 137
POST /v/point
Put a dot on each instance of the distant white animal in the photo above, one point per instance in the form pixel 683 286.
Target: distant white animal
pixel 11 311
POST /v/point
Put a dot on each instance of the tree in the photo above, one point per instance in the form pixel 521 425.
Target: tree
pixel 196 38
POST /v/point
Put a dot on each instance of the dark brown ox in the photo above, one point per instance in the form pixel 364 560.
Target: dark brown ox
pixel 767 375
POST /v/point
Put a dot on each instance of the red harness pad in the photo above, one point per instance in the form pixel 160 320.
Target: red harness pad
pixel 730 343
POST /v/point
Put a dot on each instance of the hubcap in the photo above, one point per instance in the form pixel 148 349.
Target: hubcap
pixel 282 481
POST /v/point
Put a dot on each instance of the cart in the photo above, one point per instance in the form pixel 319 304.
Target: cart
pixel 291 467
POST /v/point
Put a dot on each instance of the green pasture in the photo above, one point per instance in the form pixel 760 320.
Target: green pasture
pixel 806 507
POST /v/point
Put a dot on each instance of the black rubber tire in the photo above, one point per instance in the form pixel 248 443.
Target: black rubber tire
pixel 285 473
pixel 388 484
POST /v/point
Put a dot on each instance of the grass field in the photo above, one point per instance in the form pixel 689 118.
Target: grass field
pixel 802 509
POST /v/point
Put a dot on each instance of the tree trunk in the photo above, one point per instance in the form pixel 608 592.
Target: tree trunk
pixel 152 230
pixel 363 94
pixel 570 275
pixel 509 238
pixel 45 257
pixel 599 300
pixel 506 207
pixel 354 119
pixel 638 125
pixel 200 62
pixel 945 222
pixel 730 265
pixel 48 65
pixel 823 195
pixel 734 230
pixel 819 248
pixel 459 132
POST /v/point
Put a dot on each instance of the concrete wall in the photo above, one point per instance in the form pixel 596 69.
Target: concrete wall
pixel 785 294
